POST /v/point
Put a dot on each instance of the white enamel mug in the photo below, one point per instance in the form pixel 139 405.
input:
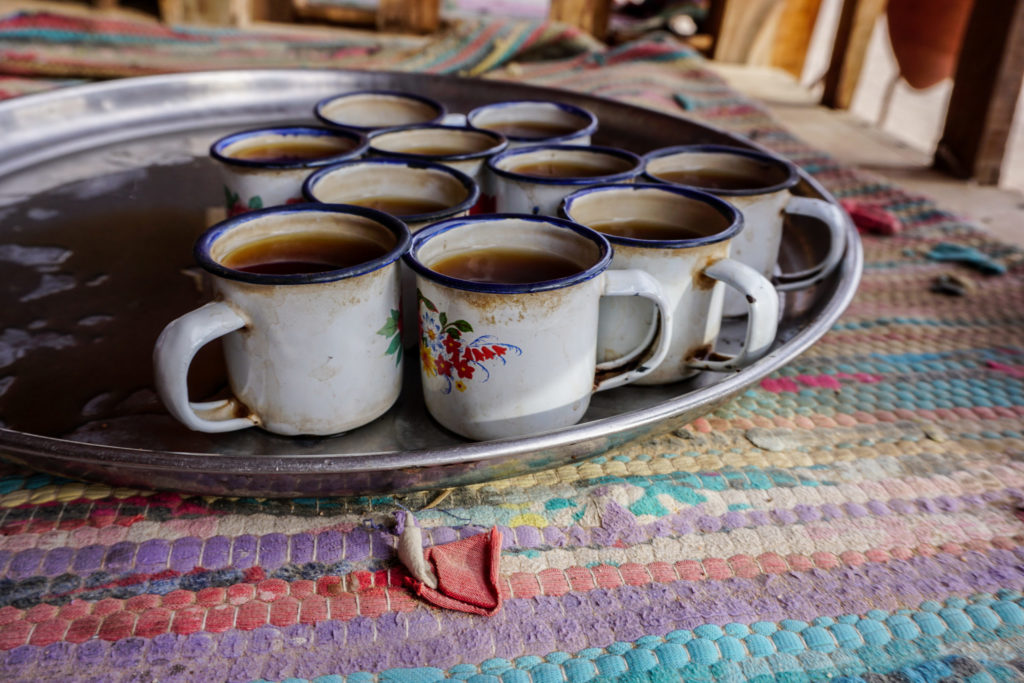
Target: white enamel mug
pixel 365 182
pixel 258 171
pixel 370 182
pixel 514 175
pixel 460 147
pixel 369 110
pixel 501 360
pixel 307 352
pixel 764 197
pixel 535 122
pixel 687 252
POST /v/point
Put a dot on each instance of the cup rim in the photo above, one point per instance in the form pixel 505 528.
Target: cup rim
pixel 201 249
pixel 637 169
pixel 792 175
pixel 472 189
pixel 588 129
pixel 318 108
pixel 724 208
pixel 604 260
pixel 218 146
pixel 501 143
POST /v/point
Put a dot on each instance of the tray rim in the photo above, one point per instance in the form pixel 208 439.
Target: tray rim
pixel 14 444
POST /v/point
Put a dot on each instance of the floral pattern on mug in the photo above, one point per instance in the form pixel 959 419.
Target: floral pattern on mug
pixel 444 352
pixel 393 330
pixel 235 205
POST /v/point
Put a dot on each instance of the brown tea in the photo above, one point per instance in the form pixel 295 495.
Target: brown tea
pixel 506 265
pixel 557 168
pixel 291 151
pixel 303 253
pixel 713 179
pixel 400 206
pixel 439 150
pixel 533 130
pixel 645 229
pixel 466 144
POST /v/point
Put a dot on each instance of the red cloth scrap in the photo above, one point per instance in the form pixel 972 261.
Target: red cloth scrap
pixel 467 574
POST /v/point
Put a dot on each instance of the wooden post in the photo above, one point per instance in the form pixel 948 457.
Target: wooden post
pixel 713 24
pixel 224 13
pixel 333 14
pixel 409 16
pixel 771 32
pixel 985 91
pixel 589 15
pixel 856 22
pixel 272 10
pixel 744 30
pixel 793 37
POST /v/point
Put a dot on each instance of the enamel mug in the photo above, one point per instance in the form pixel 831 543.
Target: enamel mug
pixel 266 167
pixel 536 179
pixel 369 110
pixel 535 122
pixel 501 359
pixel 418 192
pixel 462 148
pixel 311 343
pixel 682 238
pixel 759 185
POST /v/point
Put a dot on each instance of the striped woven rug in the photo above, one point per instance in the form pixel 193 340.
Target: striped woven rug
pixel 854 517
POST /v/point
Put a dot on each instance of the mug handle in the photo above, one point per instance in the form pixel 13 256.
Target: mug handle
pixel 762 318
pixel 172 355
pixel 835 220
pixel 637 283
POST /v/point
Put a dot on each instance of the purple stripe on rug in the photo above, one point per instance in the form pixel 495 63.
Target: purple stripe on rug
pixel 572 622
pixel 271 551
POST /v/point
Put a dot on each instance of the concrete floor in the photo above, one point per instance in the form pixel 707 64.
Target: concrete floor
pixel 853 140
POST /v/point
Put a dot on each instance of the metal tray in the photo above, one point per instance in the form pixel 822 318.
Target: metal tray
pixel 103 189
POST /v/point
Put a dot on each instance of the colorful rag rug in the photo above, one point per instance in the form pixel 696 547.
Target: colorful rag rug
pixel 854 517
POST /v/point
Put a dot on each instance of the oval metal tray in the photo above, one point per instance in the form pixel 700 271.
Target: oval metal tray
pixel 103 189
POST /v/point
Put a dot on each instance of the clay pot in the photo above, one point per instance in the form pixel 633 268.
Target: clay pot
pixel 926 37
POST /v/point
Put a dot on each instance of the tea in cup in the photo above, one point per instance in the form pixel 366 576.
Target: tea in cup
pixel 307 303
pixel 535 122
pixel 536 179
pixel 418 192
pixel 369 110
pixel 760 186
pixel 508 320
pixel 682 238
pixel 266 167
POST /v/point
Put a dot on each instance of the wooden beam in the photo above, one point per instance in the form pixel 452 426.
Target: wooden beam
pixel 589 15
pixel 985 91
pixel 793 35
pixel 713 24
pixel 742 37
pixel 224 13
pixel 409 16
pixel 272 10
pixel 766 32
pixel 349 16
pixel 856 22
